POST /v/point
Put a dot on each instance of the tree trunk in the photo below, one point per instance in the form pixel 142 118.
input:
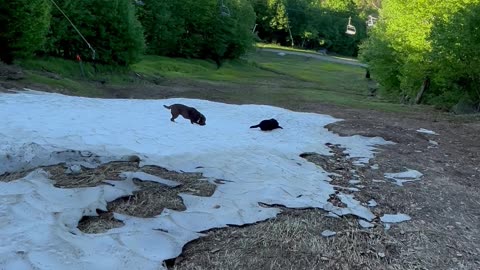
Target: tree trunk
pixel 425 86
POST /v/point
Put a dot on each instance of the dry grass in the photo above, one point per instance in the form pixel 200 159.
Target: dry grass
pixel 8 177
pixel 148 201
pixel 292 241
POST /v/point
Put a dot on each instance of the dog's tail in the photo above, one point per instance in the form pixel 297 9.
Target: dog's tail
pixel 255 126
pixel 280 127
pixel 168 107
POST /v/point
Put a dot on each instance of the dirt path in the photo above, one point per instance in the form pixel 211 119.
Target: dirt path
pixel 339 60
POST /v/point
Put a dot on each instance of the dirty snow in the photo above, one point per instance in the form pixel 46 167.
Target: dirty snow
pixel 38 221
pixel 402 177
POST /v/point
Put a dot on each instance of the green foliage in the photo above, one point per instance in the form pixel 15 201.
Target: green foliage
pixel 312 24
pixel 111 27
pixel 417 39
pixel 197 28
pixel 23 27
pixel 455 54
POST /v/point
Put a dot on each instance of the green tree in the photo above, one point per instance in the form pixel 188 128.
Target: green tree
pixel 210 29
pixel 312 24
pixel 111 27
pixel 455 55
pixel 163 23
pixel 399 49
pixel 23 28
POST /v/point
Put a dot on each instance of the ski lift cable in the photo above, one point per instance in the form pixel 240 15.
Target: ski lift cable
pixel 76 29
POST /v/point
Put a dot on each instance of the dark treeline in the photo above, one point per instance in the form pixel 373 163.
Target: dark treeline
pixel 120 31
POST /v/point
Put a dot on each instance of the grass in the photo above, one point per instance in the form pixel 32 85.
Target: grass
pixel 283 48
pixel 290 49
pixel 260 77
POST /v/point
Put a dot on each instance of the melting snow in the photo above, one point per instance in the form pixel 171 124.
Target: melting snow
pixel 403 177
pixel 372 203
pixel 38 221
pixel 148 177
pixel 365 224
pixel 394 218
pixel 426 131
pixel 353 181
pixel 328 233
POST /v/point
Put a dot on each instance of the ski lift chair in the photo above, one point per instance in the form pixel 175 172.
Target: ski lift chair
pixel 371 21
pixel 350 28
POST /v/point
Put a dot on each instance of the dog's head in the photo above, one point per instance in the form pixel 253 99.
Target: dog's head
pixel 202 121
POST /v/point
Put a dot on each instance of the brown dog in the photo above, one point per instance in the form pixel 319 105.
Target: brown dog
pixel 187 112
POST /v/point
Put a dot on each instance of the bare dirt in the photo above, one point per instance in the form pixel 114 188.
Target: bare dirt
pixel 444 204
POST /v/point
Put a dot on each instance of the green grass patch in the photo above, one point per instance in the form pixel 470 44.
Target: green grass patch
pixel 261 77
pixel 232 71
pixel 283 48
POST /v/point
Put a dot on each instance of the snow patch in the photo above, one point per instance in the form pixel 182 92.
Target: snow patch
pixel 426 131
pixel 328 233
pixel 372 203
pixel 148 177
pixel 364 224
pixel 403 177
pixel 258 167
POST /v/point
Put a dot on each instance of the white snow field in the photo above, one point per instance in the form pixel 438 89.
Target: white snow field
pixel 38 222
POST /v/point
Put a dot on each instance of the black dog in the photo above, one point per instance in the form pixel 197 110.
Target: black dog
pixel 266 125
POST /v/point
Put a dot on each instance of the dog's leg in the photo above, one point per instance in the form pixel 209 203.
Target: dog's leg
pixel 174 116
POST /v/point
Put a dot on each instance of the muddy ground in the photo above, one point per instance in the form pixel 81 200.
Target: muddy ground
pixel 444 232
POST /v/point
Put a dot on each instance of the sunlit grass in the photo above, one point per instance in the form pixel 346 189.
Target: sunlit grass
pixel 263 77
